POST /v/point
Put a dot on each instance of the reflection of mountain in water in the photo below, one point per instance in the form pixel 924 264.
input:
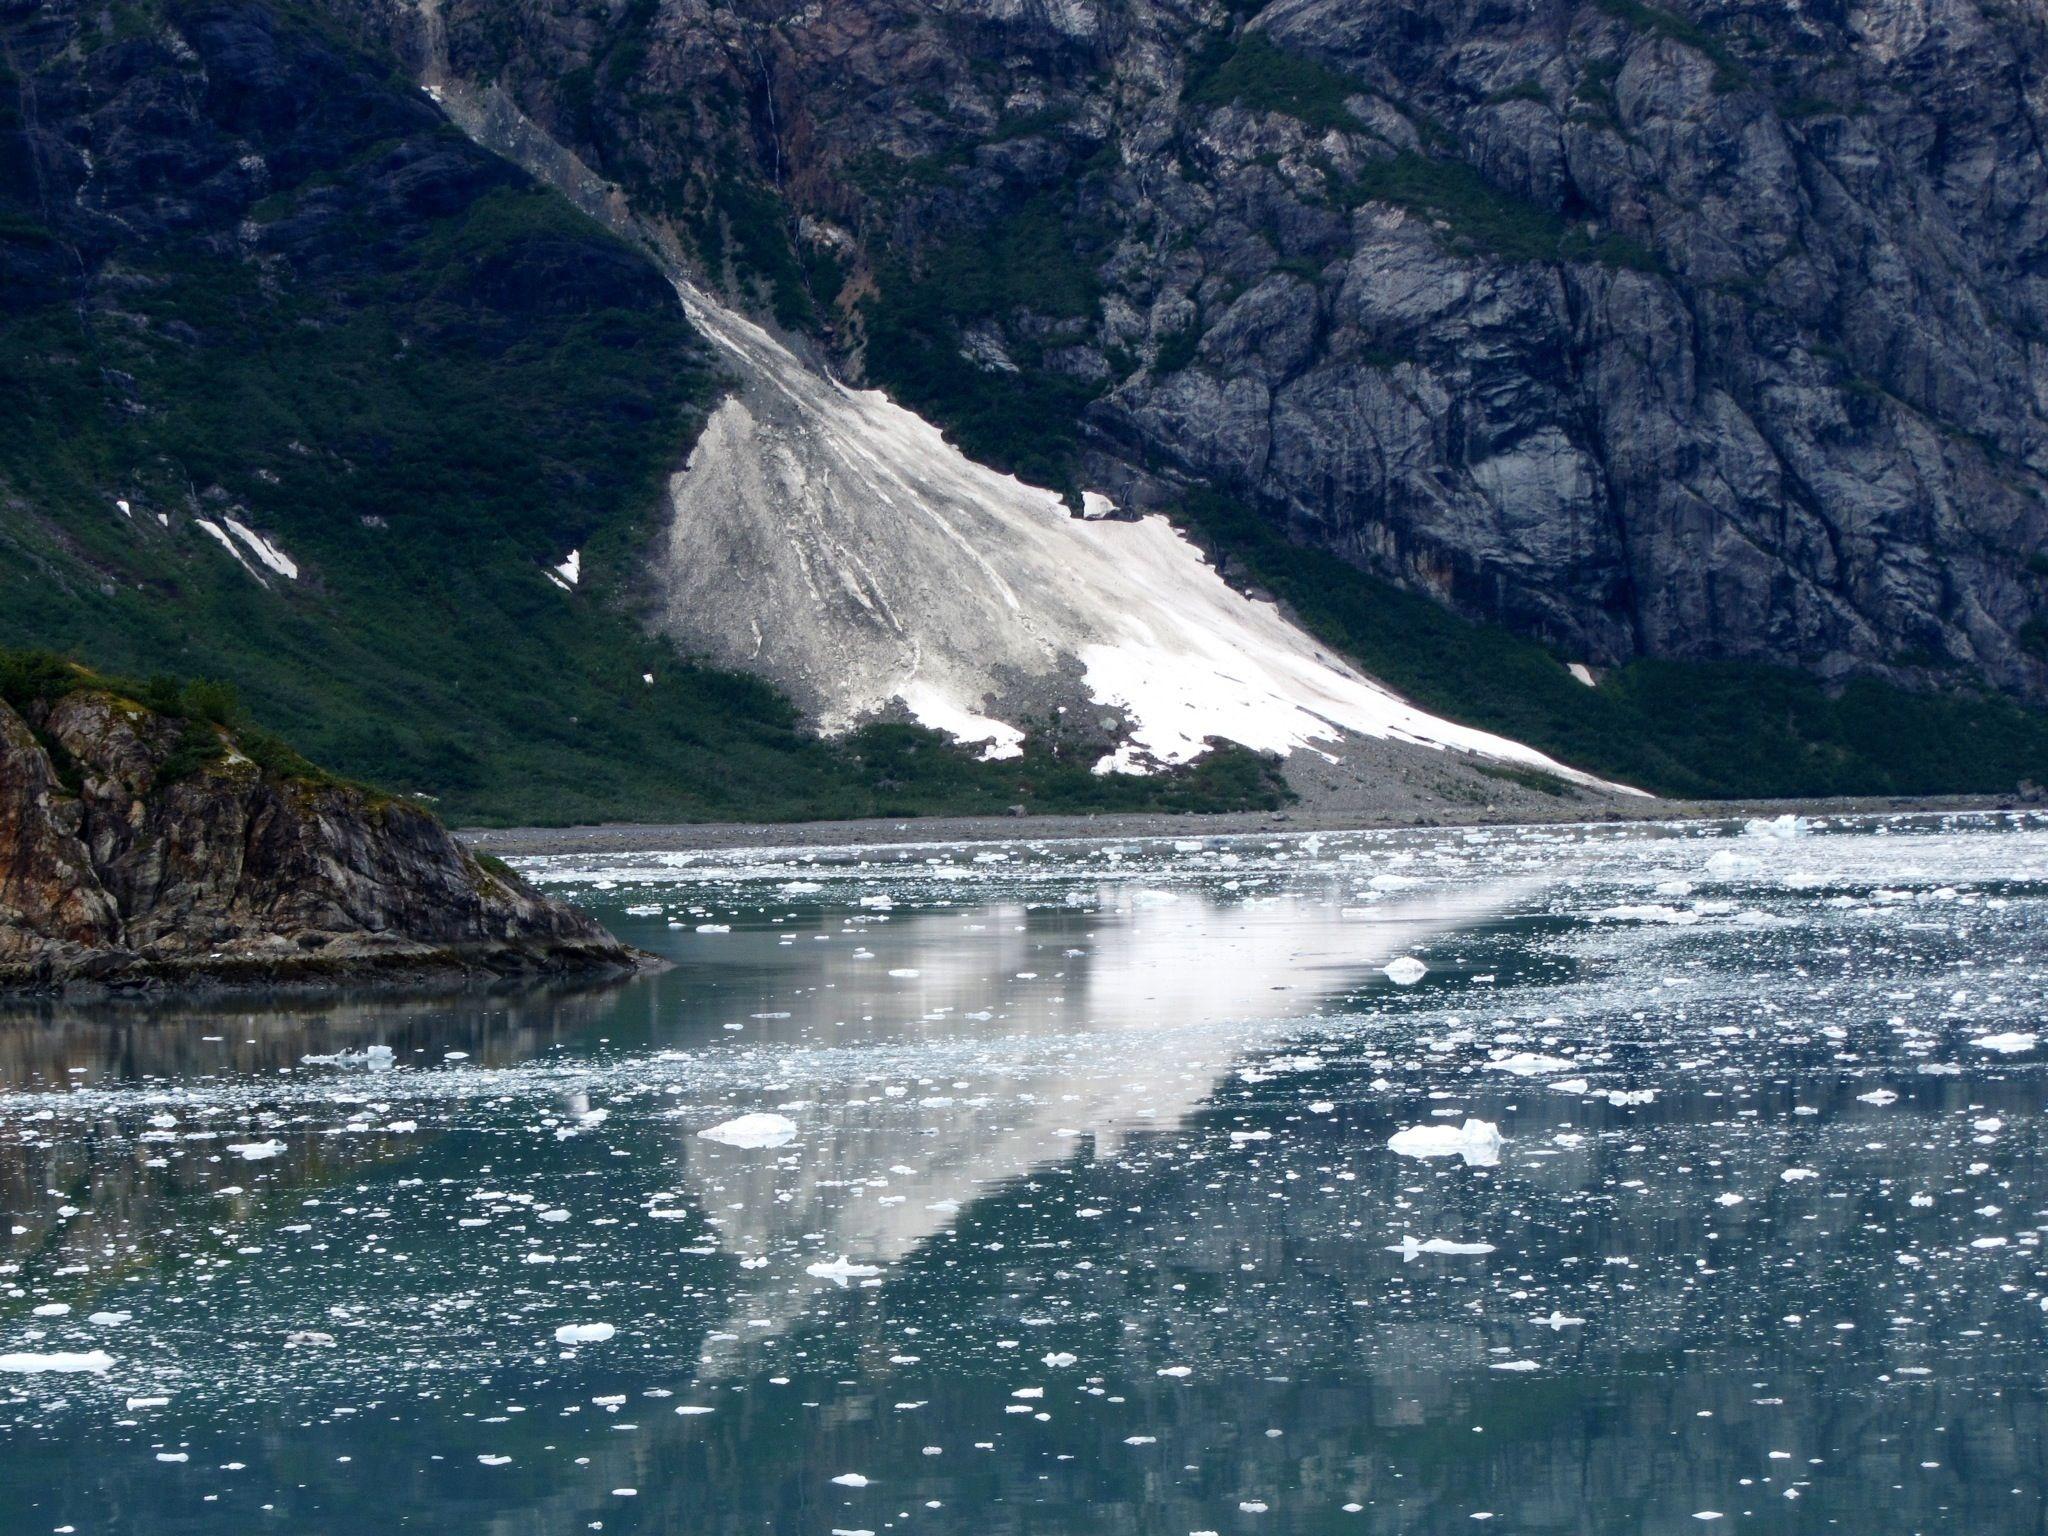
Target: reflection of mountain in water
pixel 1156 998
pixel 118 1172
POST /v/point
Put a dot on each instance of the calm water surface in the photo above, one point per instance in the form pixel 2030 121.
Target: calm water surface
pixel 1085 1217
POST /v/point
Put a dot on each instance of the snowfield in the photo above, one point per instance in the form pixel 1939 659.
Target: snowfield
pixel 835 541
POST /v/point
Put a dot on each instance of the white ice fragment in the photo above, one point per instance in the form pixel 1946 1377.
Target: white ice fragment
pixel 375 1058
pixel 584 1333
pixel 2011 1043
pixel 256 1151
pixel 1410 1249
pixel 753 1131
pixel 1478 1142
pixel 851 1480
pixel 92 1361
pixel 1406 971
pixel 840 1270
pixel 1778 828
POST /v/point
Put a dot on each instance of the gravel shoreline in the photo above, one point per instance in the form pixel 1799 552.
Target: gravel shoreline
pixel 623 837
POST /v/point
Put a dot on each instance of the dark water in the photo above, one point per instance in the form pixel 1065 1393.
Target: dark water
pixel 1086 1218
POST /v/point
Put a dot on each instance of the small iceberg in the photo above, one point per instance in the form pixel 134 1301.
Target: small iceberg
pixel 1477 1141
pixel 755 1131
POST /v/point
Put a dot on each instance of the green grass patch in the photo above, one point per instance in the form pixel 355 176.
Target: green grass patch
pixel 1258 74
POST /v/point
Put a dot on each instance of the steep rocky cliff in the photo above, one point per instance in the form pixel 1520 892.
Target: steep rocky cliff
pixel 1696 330
pixel 138 847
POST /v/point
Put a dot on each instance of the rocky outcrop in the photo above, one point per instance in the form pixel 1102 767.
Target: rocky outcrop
pixel 1683 329
pixel 141 849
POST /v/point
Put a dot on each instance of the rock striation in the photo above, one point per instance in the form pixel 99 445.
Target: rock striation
pixel 138 849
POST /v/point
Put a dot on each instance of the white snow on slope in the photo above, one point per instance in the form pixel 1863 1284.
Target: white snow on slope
pixel 273 557
pixel 834 542
pixel 881 564
pixel 221 534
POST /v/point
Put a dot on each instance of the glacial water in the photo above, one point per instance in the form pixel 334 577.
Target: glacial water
pixel 1079 1191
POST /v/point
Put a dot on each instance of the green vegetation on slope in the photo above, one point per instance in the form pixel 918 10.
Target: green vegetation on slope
pixel 1680 728
pixel 1260 75
pixel 1027 422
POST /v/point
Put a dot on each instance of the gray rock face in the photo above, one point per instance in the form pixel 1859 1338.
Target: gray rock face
pixel 1686 330
pixel 120 865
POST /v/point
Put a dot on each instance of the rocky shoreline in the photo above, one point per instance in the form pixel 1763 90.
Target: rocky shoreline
pixel 146 846
pixel 536 842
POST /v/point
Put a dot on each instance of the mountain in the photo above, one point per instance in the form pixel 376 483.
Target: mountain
pixel 1694 350
pixel 147 836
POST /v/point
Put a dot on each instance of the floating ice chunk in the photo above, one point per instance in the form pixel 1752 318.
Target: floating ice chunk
pixel 92 1362
pixel 753 1131
pixel 1410 1249
pixel 714 927
pixel 2011 1043
pixel 1646 914
pixel 495 1461
pixel 1878 1096
pixel 1798 1175
pixel 1779 828
pixel 584 1333
pixel 109 1319
pixel 1476 1141
pixel 1514 1365
pixel 374 1058
pixel 569 572
pixel 1531 1064
pixel 53 1309
pixel 1406 971
pixel 840 1270
pixel 692 1410
pixel 905 973
pixel 851 1480
pixel 256 1151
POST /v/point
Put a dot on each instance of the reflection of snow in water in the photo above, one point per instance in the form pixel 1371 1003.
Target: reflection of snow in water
pixel 1167 993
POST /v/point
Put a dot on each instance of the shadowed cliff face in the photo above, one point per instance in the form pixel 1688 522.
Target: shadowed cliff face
pixel 1653 331
pixel 139 848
